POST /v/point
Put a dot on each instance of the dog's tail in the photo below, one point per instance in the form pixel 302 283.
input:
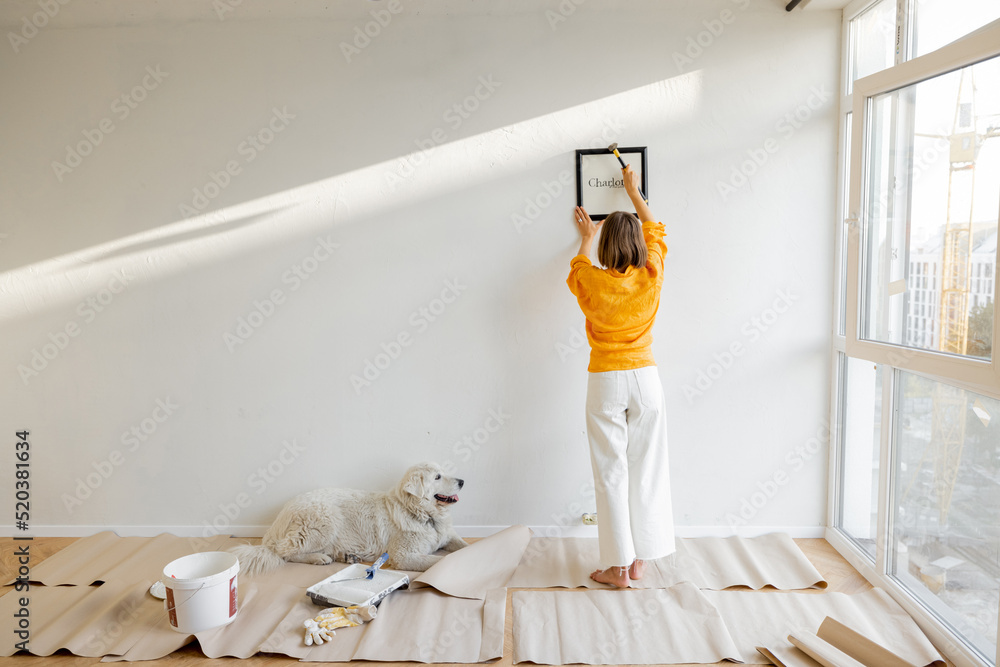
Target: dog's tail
pixel 256 560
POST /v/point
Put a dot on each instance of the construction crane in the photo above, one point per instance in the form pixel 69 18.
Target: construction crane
pixel 951 403
pixel 948 421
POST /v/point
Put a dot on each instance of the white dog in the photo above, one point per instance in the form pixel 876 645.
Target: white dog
pixel 410 522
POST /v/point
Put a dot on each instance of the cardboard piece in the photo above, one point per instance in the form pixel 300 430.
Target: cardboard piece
pixel 708 562
pixel 479 568
pixel 767 618
pixel 664 626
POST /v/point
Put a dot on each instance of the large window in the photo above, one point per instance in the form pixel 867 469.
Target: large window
pixel 916 494
pixel 932 196
pixel 946 528
pixel 862 434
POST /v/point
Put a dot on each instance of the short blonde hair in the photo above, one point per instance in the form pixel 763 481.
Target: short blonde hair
pixel 622 244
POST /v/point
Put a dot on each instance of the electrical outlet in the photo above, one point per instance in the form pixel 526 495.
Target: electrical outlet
pixel 590 519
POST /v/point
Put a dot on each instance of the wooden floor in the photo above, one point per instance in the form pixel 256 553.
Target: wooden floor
pixel 842 578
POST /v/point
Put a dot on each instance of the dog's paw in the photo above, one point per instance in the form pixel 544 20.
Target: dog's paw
pixel 455 544
pixel 316 559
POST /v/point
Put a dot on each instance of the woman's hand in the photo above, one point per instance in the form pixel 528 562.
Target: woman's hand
pixel 588 230
pixel 632 190
pixel 631 181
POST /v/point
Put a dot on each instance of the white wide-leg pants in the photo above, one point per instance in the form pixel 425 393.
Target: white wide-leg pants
pixel 627 429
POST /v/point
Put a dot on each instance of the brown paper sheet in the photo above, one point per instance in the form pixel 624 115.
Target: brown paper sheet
pixel 638 627
pixel 151 637
pixel 287 637
pixel 787 656
pixel 262 610
pixel 708 562
pixel 822 652
pixel 107 557
pixel 90 621
pixel 767 618
pixel 120 618
pixel 859 647
pixel 482 566
pixel 274 606
pixel 264 602
pixel 428 626
pixel 419 625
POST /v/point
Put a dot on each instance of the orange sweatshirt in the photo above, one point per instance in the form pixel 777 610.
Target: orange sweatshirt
pixel 620 307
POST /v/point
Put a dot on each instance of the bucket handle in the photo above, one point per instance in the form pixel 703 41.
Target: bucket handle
pixel 176 606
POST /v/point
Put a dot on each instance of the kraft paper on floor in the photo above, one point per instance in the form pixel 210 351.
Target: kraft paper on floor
pixel 264 602
pixel 261 611
pixel 459 615
pixel 823 653
pixel 712 563
pixel 863 649
pixel 638 627
pixel 107 557
pixel 482 566
pixel 767 618
pixel 708 562
pixel 121 621
pixel 787 656
pixel 428 626
pixel 851 646
pixel 419 625
pixel 90 621
pixel 286 638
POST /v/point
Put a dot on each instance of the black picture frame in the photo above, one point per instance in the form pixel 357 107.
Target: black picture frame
pixel 602 169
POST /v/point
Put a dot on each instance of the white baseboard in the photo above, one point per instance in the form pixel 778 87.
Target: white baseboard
pixel 679 531
pixel 464 531
pixel 798 532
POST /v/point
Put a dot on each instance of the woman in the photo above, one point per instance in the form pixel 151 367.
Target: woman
pixel 626 421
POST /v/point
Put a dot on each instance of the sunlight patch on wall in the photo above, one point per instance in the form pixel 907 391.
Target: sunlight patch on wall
pixel 436 169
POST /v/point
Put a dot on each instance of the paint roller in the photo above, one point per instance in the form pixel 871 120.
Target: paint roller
pixel 614 149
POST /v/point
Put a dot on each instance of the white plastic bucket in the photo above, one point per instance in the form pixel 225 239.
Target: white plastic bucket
pixel 201 591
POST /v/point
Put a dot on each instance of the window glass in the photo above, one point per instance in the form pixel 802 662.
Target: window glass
pixel 946 531
pixel 861 429
pixel 931 209
pixel 940 22
pixel 873 40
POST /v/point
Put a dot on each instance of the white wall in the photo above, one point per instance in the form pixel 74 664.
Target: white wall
pixel 609 72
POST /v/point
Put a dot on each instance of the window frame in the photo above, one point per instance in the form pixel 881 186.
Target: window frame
pixel 976 375
pixel 854 97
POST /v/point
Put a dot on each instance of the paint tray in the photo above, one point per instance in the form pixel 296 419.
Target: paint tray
pixel 347 589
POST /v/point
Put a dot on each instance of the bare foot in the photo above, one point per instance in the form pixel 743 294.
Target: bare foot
pixel 616 576
pixel 637 569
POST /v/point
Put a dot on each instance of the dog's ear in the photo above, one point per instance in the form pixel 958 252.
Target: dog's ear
pixel 415 483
